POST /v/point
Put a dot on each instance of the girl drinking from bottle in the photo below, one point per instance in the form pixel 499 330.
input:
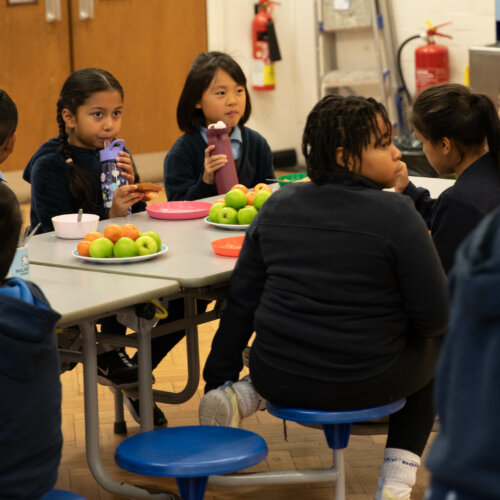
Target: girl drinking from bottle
pixel 215 90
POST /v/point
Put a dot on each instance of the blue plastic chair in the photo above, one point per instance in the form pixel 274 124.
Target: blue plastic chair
pixel 190 454
pixel 336 426
pixel 62 495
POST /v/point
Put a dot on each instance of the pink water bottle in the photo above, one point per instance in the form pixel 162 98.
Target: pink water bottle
pixel 226 177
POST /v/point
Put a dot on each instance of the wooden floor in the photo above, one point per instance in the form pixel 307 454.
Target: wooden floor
pixel 305 448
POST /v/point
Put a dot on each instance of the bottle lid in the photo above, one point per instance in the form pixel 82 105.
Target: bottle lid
pixel 218 128
pixel 111 152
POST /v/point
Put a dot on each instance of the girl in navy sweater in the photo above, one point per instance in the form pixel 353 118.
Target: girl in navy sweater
pixel 454 125
pixel 65 175
pixel 215 90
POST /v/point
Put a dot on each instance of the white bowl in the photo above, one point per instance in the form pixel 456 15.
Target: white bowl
pixel 66 226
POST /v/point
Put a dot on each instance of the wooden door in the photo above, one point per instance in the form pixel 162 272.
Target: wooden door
pixel 34 61
pixel 148 45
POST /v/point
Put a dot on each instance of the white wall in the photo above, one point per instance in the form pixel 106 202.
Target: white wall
pixel 280 115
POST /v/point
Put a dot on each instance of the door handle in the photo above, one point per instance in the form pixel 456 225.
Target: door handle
pixel 52 10
pixel 85 9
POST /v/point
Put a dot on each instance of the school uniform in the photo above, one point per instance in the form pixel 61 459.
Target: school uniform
pixel 184 164
pixel 345 290
pixel 49 174
pixel 30 414
pixel 460 208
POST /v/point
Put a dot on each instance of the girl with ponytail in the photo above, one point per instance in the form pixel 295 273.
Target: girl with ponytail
pixel 460 134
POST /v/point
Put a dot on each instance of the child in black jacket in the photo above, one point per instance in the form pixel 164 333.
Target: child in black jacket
pixel 344 289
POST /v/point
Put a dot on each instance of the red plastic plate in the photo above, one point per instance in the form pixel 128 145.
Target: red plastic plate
pixel 178 210
pixel 229 247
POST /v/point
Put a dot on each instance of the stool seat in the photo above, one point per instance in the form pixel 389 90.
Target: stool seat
pixel 62 495
pixel 333 417
pixel 191 454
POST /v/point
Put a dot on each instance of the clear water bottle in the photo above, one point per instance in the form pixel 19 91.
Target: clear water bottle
pixel 111 178
pixel 226 177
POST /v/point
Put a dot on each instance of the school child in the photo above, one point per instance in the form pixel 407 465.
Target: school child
pixel 454 125
pixel 8 126
pixel 215 90
pixel 65 175
pixel 463 458
pixel 344 289
pixel 30 420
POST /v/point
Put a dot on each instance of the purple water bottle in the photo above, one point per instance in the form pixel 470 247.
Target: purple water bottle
pixel 226 177
pixel 111 179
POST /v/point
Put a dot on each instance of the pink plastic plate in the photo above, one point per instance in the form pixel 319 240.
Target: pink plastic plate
pixel 178 210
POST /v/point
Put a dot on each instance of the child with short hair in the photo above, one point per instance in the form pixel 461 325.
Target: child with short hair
pixel 30 421
pixel 344 289
pixel 454 125
pixel 215 90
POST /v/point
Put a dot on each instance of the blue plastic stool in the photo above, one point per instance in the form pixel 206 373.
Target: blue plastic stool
pixel 336 426
pixel 190 454
pixel 337 429
pixel 62 495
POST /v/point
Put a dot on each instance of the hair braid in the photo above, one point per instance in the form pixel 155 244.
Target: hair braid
pixel 336 122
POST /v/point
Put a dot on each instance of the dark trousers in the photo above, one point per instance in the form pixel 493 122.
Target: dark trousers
pixel 411 377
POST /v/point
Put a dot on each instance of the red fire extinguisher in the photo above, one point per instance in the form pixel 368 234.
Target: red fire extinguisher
pixel 431 60
pixel 265 47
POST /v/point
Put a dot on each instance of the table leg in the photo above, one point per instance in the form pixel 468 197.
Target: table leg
pixel 145 387
pixel 92 423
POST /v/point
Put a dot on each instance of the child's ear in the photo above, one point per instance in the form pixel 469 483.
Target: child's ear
pixel 68 118
pixel 446 145
pixel 198 105
pixel 339 158
pixel 9 143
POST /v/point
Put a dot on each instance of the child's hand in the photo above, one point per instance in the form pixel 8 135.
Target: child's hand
pixel 124 163
pixel 212 164
pixel 124 197
pixel 402 179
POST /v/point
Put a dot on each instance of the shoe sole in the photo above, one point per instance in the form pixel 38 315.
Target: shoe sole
pixel 217 409
pixel 135 416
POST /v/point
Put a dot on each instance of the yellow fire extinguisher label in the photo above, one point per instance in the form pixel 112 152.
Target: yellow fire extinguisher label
pixel 269 74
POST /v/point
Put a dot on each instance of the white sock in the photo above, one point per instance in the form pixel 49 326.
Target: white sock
pixel 398 472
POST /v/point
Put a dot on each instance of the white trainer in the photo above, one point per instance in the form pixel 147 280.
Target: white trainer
pixel 230 403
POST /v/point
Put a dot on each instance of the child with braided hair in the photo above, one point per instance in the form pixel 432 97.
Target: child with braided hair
pixel 65 172
pixel 343 286
pixel 65 175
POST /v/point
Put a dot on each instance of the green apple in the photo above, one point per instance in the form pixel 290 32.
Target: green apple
pixel 213 213
pixel 101 248
pixel 260 198
pixel 155 237
pixel 125 247
pixel 236 199
pixel 228 215
pixel 246 214
pixel 146 245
